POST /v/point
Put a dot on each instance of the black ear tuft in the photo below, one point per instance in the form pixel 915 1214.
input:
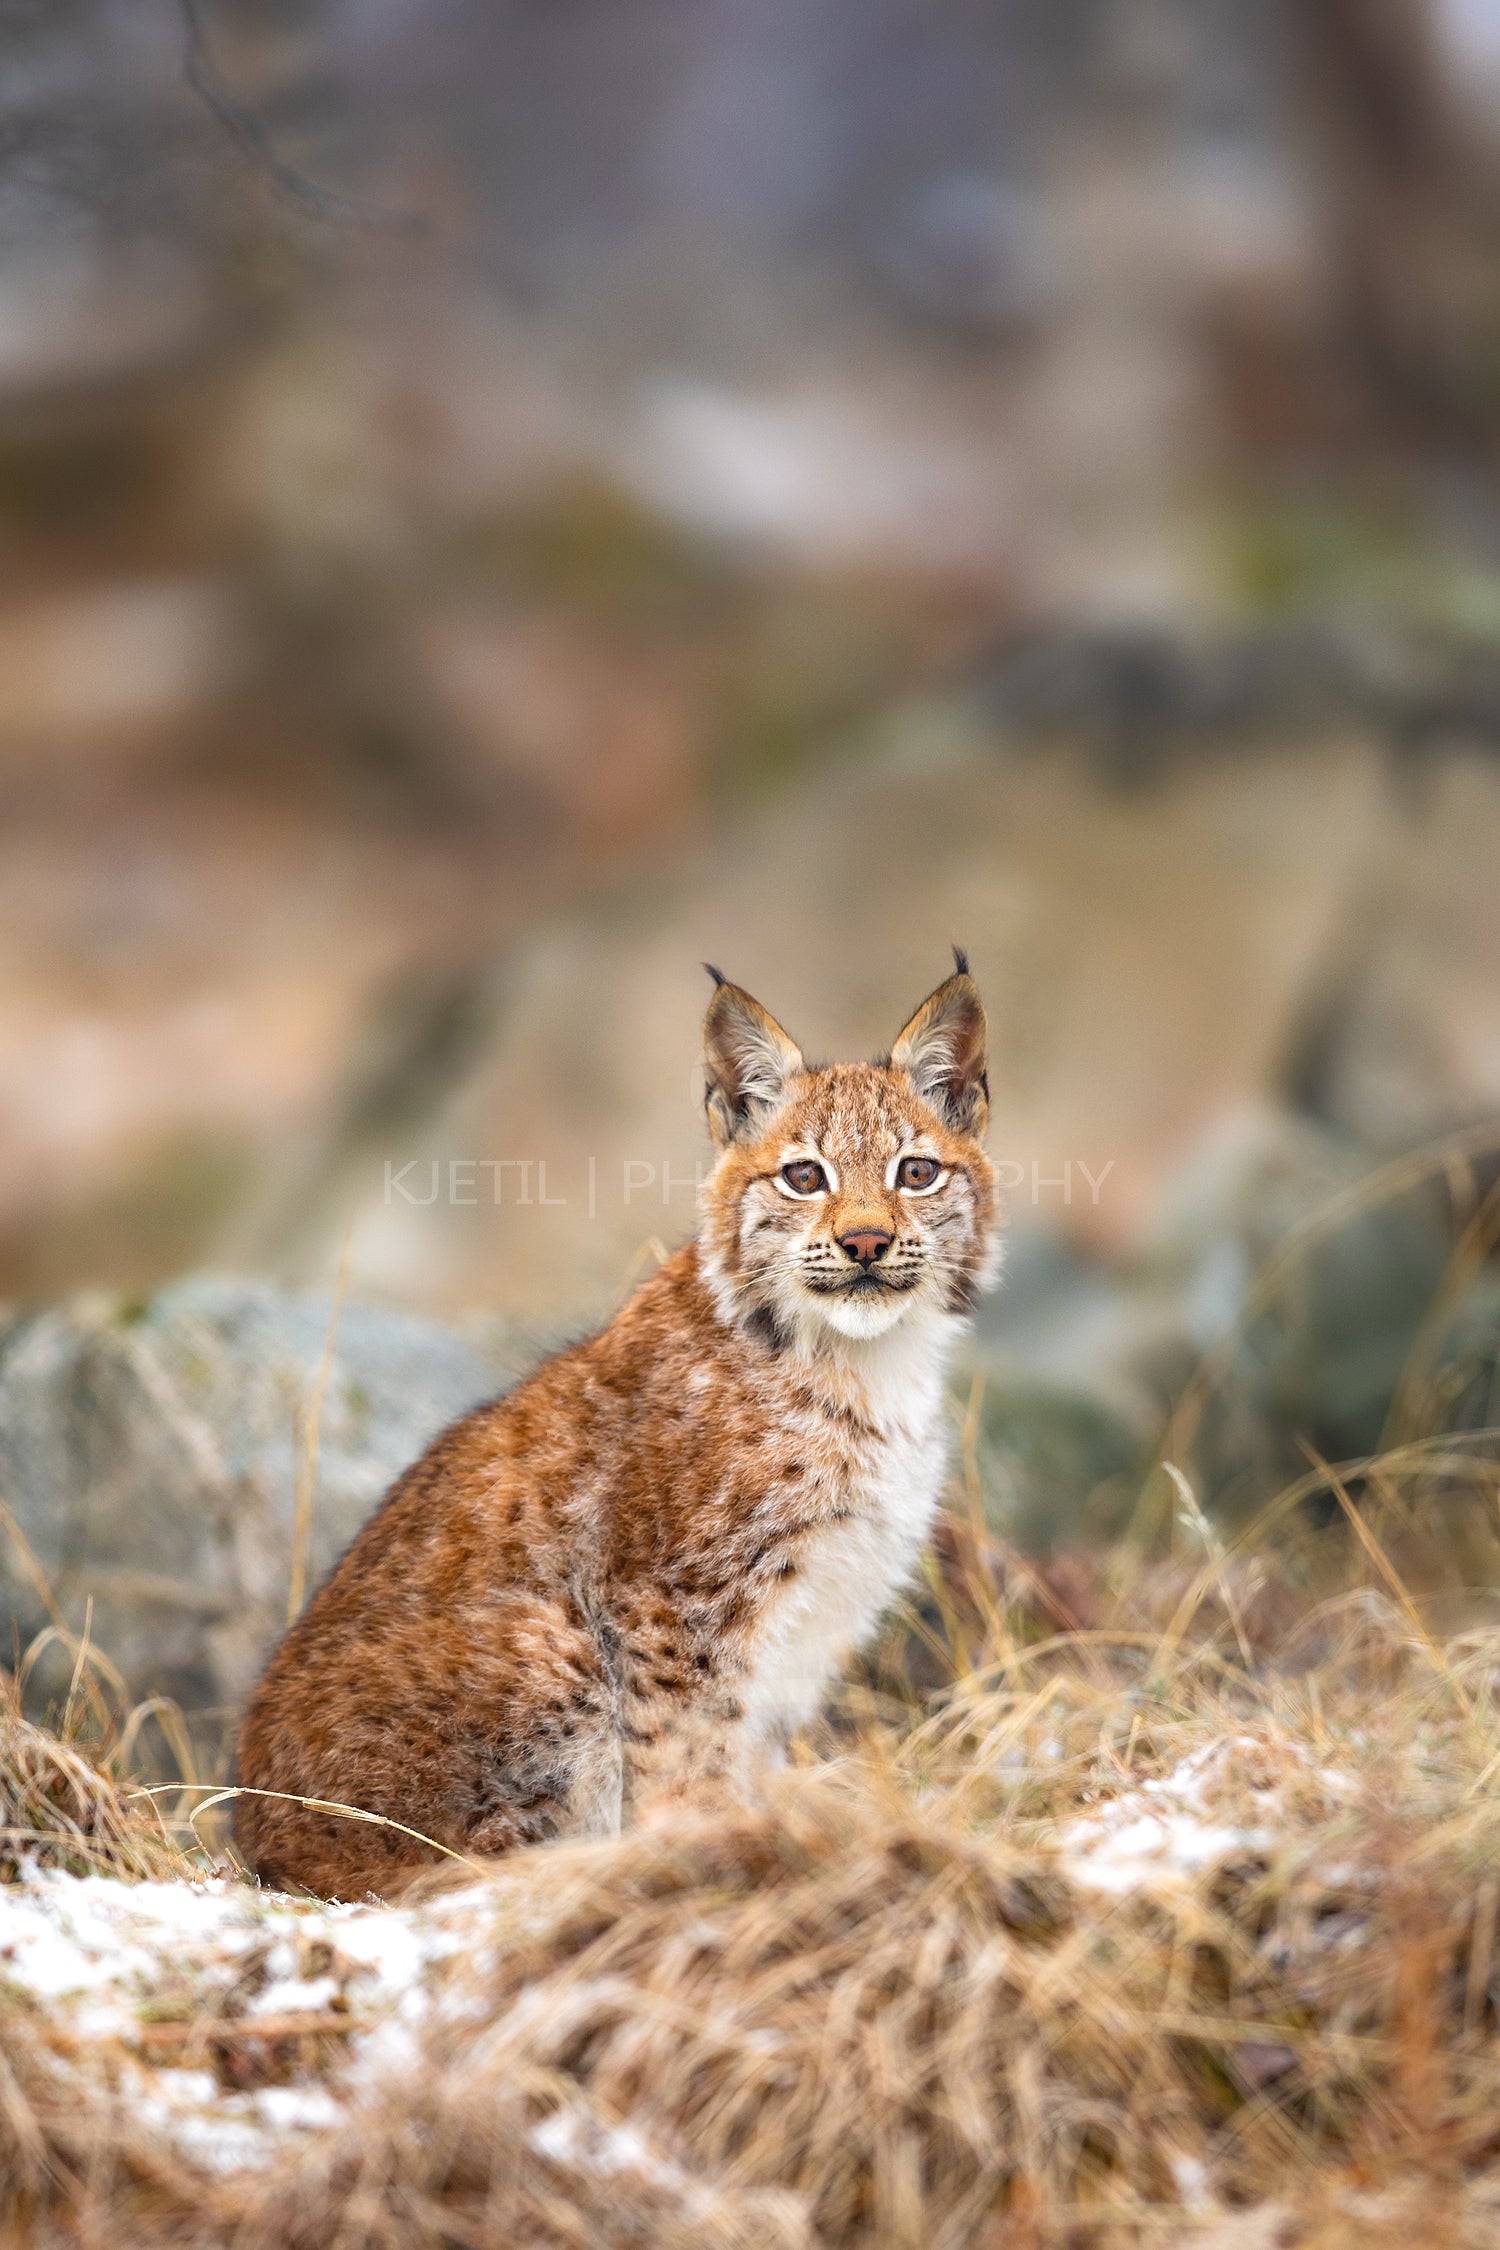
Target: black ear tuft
pixel 960 961
pixel 717 974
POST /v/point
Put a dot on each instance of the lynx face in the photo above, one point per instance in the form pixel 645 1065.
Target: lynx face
pixel 849 1197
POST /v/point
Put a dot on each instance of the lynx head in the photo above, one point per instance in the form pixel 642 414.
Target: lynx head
pixel 848 1196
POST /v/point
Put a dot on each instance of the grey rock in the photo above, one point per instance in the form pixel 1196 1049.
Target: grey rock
pixel 1073 1356
pixel 151 1456
pixel 1405 1043
pixel 1057 1464
pixel 1067 1320
pixel 1286 1301
pixel 972 253
pixel 1306 1286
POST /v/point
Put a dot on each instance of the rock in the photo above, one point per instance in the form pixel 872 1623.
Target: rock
pixel 1304 1289
pixel 1285 1299
pixel 1407 1041
pixel 1073 1358
pixel 1066 1319
pixel 1057 1465
pixel 1143 955
pixel 151 1456
pixel 1142 695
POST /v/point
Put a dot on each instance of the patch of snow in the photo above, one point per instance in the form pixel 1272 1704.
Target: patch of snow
pixel 110 1962
pixel 568 2137
pixel 1127 1857
pixel 189 2111
pixel 571 2137
pixel 305 2109
pixel 1167 1829
pixel 1190 2177
pixel 290 1995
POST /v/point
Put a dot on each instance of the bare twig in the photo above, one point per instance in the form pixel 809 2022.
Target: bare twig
pixel 206 2031
pixel 250 137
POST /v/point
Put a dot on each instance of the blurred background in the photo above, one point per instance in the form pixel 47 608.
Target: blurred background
pixel 502 500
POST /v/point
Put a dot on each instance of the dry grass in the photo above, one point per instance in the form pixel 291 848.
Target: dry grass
pixel 1126 1941
pixel 58 1809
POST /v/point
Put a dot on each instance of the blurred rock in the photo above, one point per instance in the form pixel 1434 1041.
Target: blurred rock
pixel 1067 1320
pixel 1290 1297
pixel 1143 695
pixel 1143 954
pixel 115 665
pixel 151 1456
pixel 1306 1285
pixel 972 253
pixel 1463 1389
pixel 1407 1043
pixel 1058 1465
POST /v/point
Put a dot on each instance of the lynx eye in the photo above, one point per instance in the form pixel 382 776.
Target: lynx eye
pixel 804 1177
pixel 918 1171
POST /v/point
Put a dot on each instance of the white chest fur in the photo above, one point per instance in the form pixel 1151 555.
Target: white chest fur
pixel 850 1570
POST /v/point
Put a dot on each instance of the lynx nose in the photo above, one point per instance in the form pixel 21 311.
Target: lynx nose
pixel 866 1249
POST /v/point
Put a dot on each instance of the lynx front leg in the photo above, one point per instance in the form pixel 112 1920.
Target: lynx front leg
pixel 700 1754
pixel 682 1725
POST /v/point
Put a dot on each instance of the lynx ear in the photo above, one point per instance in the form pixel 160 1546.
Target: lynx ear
pixel 943 1047
pixel 748 1060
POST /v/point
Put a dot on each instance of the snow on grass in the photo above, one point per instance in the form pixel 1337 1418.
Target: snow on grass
pixel 192 1987
pixel 236 2020
pixel 233 2026
pixel 1174 1827
pixel 573 2140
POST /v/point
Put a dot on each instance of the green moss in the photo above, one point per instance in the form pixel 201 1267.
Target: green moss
pixel 1284 555
pixel 592 545
pixel 1377 556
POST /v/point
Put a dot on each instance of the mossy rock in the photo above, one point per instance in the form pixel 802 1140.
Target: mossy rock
pixel 151 1454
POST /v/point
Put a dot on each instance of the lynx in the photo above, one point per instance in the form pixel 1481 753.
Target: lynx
pixel 633 1577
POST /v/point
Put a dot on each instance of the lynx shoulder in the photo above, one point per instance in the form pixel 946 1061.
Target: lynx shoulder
pixel 635 1574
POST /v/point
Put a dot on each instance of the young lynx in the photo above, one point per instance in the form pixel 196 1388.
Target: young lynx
pixel 635 1574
